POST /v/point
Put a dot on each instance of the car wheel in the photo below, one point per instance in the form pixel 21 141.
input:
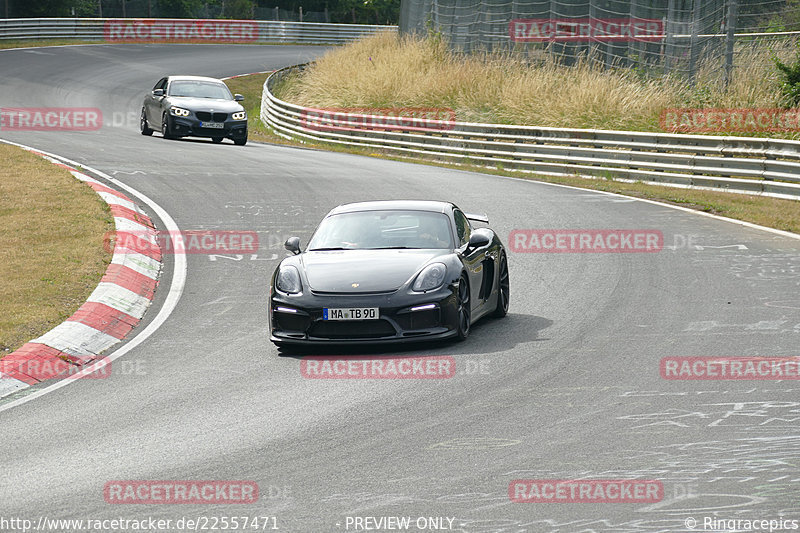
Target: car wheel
pixel 240 141
pixel 464 308
pixel 165 127
pixel 144 127
pixel 503 288
pixel 216 140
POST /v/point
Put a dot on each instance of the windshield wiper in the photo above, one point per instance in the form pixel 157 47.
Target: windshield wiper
pixel 394 248
pixel 329 248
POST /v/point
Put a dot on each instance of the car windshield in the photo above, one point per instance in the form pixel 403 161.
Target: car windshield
pixel 199 89
pixel 377 230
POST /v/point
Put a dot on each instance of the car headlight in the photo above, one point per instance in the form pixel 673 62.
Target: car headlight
pixel 288 280
pixel 179 112
pixel 431 277
pixel 239 115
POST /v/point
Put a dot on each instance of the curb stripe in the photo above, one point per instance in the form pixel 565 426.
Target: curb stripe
pixel 120 299
pixel 26 364
pixel 117 199
pixel 104 318
pixel 128 278
pixel 99 188
pixel 127 225
pixel 140 263
pixel 120 211
pixel 76 339
pixel 129 242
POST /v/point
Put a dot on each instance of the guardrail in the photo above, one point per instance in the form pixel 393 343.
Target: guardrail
pixel 91 29
pixel 751 165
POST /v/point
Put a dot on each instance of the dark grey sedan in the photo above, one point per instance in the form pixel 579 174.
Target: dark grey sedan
pixel 184 106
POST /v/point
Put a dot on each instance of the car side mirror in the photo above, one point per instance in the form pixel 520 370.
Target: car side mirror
pixel 478 239
pixel 158 92
pixel 238 97
pixel 293 245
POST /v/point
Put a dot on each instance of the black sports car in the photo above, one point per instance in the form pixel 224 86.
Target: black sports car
pixel 182 106
pixel 389 271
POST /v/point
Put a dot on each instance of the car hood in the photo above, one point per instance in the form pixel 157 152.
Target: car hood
pixel 369 270
pixel 206 104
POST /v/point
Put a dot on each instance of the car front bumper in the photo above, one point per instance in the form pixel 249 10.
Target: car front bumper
pixel 192 127
pixel 404 317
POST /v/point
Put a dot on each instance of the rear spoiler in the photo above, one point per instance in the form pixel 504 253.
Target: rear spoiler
pixel 477 218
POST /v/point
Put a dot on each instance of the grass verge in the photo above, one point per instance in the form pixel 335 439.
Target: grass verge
pixel 387 70
pixel 765 211
pixel 51 245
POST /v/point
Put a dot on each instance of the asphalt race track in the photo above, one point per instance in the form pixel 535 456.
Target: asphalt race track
pixel 566 387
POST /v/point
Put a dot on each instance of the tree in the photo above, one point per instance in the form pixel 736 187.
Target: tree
pixel 181 8
pixel 238 9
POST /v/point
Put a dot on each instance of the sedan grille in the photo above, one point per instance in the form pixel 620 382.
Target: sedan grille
pixel 205 116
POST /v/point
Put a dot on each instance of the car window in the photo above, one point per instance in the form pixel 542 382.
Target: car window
pixel 162 83
pixel 383 229
pixel 199 89
pixel 463 229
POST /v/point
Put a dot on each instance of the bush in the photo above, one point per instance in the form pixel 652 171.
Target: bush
pixel 790 79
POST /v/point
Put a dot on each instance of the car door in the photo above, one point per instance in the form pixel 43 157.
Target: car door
pixel 153 104
pixel 473 259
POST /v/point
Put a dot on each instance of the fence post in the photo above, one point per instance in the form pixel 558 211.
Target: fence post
pixel 730 37
pixel 669 45
pixel 693 51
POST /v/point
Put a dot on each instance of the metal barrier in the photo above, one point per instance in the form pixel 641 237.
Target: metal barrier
pixel 267 30
pixel 751 165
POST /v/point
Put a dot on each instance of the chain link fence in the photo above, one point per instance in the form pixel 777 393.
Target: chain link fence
pixel 679 36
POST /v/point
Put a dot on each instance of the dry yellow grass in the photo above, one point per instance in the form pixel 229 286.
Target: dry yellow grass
pixel 388 70
pixel 51 245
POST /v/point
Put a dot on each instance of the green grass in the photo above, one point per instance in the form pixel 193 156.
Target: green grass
pixel 51 245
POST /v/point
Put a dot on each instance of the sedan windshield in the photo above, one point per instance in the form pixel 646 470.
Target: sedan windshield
pixel 381 230
pixel 199 89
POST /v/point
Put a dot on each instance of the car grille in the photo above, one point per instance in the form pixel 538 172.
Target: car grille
pixel 429 318
pixel 205 116
pixel 363 329
pixel 291 322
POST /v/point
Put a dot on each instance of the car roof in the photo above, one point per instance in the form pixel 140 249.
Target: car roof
pixel 394 205
pixel 193 78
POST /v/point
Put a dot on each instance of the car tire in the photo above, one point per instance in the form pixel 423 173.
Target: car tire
pixel 165 131
pixel 144 127
pixel 216 140
pixel 463 309
pixel 503 288
pixel 241 141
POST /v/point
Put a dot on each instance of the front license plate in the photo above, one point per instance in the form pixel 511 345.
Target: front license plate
pixel 356 313
pixel 213 125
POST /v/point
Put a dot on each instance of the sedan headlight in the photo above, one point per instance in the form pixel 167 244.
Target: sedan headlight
pixel 179 112
pixel 239 115
pixel 288 280
pixel 431 277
